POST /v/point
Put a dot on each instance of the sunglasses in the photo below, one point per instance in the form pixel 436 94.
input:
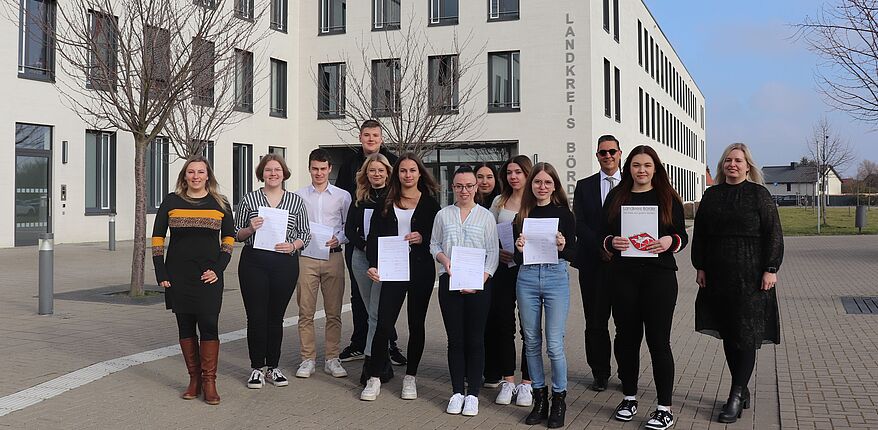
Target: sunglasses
pixel 604 152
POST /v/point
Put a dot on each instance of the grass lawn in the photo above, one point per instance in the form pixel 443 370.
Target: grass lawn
pixel 802 221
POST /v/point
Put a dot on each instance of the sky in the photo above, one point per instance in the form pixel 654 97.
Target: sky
pixel 758 80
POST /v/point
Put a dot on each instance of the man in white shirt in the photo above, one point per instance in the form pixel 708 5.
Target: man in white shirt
pixel 327 207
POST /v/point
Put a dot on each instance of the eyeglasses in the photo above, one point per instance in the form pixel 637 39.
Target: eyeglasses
pixel 604 152
pixel 461 187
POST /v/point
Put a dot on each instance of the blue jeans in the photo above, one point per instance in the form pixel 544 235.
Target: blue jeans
pixel 544 287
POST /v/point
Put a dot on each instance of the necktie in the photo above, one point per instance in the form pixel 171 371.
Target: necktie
pixel 612 182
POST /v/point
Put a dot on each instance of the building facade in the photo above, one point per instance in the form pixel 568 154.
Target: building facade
pixel 551 77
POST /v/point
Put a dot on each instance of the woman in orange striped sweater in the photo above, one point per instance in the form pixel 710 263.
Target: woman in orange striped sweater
pixel 200 248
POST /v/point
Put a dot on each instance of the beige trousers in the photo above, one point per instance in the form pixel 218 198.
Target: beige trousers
pixel 328 277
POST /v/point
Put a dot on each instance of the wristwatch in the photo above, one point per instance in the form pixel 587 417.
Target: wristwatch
pixel 771 269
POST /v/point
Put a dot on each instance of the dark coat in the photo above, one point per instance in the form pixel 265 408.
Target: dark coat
pixel 347 172
pixel 588 211
pixel 422 222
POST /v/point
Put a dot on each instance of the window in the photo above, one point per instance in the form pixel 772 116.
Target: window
pixel 103 50
pixel 156 173
pixel 639 42
pixel 332 16
pixel 503 10
pixel 386 87
pixel 244 9
pixel 279 150
pixel 504 81
pixel 243 81
pixel 206 150
pixel 330 90
pixel 607 89
pixel 242 171
pixel 100 172
pixel 279 15
pixel 157 59
pixel 206 3
pixel 385 14
pixel 640 109
pixel 616 20
pixel 36 49
pixel 443 72
pixel 278 88
pixel 204 71
pixel 617 87
pixel 607 16
pixel 443 12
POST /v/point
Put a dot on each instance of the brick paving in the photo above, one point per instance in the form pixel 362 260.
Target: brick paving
pixel 824 375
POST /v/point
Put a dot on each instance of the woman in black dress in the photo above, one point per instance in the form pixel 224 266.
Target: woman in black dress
pixel 645 289
pixel 737 249
pixel 200 248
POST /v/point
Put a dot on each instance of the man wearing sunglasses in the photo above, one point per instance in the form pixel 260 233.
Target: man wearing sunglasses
pixel 588 202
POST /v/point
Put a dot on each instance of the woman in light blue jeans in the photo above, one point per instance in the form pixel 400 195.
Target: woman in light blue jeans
pixel 371 191
pixel 545 288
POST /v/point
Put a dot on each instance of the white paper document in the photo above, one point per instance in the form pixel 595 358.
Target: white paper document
pixel 393 258
pixel 367 221
pixel 467 269
pixel 640 227
pixel 541 243
pixel 507 239
pixel 320 234
pixel 273 230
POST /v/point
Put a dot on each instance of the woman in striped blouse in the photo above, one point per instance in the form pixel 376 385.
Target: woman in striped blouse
pixel 465 312
pixel 199 250
pixel 267 277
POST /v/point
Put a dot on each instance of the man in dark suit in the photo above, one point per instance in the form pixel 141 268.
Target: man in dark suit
pixel 588 202
pixel 371 141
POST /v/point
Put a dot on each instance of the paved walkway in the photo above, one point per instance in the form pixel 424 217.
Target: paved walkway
pixel 824 375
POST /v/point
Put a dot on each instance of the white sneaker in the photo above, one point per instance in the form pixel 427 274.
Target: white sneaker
pixel 524 395
pixel 455 404
pixel 256 380
pixel 505 396
pixel 471 406
pixel 306 369
pixel 276 377
pixel 333 367
pixel 409 389
pixel 373 388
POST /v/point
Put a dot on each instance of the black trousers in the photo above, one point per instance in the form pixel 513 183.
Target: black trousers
pixel 741 363
pixel 500 328
pixel 464 316
pixel 596 304
pixel 393 294
pixel 267 281
pixel 207 324
pixel 359 314
pixel 644 298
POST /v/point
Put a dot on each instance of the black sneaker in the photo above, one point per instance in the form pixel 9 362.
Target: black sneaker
pixel 396 356
pixel 351 354
pixel 256 379
pixel 660 420
pixel 626 410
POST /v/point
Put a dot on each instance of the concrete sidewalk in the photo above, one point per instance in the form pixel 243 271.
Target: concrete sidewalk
pixel 824 375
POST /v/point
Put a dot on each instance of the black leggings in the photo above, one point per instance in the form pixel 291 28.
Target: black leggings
pixel 741 363
pixel 208 325
pixel 465 316
pixel 500 329
pixel 644 297
pixel 267 281
pixel 393 294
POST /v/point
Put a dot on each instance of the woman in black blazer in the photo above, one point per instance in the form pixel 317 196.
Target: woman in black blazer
pixel 408 211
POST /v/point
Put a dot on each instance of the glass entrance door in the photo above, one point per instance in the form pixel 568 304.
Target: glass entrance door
pixel 32 183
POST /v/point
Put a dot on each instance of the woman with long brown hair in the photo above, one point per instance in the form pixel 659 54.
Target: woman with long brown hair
pixel 488 185
pixel 200 248
pixel 409 211
pixel 543 290
pixel 645 289
pixel 500 331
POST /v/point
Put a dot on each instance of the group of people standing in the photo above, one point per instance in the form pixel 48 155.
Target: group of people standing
pixel 737 249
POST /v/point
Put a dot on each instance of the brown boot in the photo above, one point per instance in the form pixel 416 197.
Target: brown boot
pixel 209 355
pixel 189 346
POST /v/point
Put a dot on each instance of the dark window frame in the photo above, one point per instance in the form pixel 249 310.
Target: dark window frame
pixel 616 20
pixel 606 13
pixel 245 9
pixel 242 171
pixel 513 105
pixel 324 26
pixel 608 103
pixel 46 29
pixel 110 184
pixel 155 194
pixel 324 94
pixel 278 104
pixel 617 89
pixel 279 15
pixel 244 96
pixel 498 14
pixel 438 21
pixel 385 24
pixel 93 81
pixel 205 74
pixel 438 76
pixel 393 106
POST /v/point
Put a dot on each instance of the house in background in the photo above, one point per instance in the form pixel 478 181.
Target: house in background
pixel 798 180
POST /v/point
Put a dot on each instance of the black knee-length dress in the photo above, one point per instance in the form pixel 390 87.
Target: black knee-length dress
pixel 737 238
pixel 202 235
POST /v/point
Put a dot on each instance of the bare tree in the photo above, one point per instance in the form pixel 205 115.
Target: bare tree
pixel 130 65
pixel 424 93
pixel 845 35
pixel 830 153
pixel 867 175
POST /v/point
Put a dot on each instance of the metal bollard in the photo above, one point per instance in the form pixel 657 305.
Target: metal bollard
pixel 112 232
pixel 47 274
pixel 860 221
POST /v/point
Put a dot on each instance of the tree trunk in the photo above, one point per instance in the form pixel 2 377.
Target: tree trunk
pixel 139 256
